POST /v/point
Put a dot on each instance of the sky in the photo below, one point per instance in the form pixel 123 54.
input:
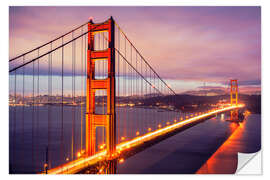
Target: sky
pixel 192 48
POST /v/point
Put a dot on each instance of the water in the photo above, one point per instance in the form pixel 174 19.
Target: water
pixel 29 135
pixel 192 149
pixel 27 145
pixel 185 152
pixel 245 139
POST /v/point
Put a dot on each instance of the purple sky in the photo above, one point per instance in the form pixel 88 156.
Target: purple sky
pixel 186 45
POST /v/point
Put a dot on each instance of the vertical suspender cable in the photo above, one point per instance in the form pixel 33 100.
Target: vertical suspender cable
pixel 23 117
pixel 50 112
pixel 145 96
pixel 74 96
pixel 15 114
pixel 75 110
pixel 142 98
pixel 118 90
pixel 38 103
pixel 73 115
pixel 155 96
pixel 131 93
pixel 81 88
pixel 85 70
pixel 152 96
pixel 125 84
pixel 33 111
pixel 48 106
pixel 62 102
pixel 136 86
pixel 48 151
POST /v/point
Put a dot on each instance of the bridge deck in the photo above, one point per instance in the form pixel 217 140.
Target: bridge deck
pixel 84 162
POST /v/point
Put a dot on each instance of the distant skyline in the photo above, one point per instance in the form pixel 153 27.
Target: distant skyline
pixel 187 46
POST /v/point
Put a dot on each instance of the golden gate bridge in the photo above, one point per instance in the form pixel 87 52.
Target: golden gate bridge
pixel 72 103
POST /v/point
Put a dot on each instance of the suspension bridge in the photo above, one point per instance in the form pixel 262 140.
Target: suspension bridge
pixel 85 101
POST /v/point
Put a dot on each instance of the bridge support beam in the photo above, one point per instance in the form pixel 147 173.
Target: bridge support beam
pixel 94 120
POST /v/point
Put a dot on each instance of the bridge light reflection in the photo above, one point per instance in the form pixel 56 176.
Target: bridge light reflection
pixel 101 170
pixel 212 164
pixel 247 113
pixel 222 117
pixel 45 165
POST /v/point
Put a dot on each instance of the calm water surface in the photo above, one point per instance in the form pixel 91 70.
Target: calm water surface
pixel 189 151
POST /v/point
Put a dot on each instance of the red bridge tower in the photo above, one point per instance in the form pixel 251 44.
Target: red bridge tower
pixel 94 120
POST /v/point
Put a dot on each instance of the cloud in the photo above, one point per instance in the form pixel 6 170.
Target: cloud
pixel 206 44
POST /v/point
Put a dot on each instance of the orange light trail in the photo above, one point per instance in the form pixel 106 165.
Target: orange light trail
pixel 81 163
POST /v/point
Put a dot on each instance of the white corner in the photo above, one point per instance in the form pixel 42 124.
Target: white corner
pixel 249 163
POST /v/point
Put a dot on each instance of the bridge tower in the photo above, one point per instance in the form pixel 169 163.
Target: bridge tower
pixel 234 99
pixel 93 120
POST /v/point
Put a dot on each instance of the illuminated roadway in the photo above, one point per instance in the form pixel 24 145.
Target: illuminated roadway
pixel 84 162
